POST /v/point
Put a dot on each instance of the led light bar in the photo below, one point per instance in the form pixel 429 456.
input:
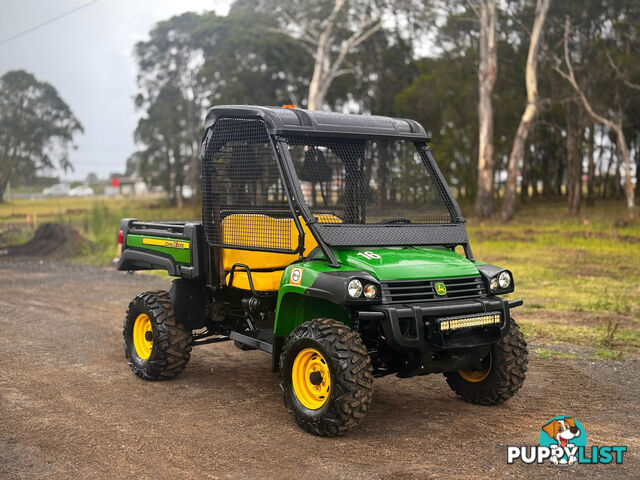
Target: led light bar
pixel 448 324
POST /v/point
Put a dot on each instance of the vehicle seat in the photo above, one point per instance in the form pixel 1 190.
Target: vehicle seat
pixel 262 231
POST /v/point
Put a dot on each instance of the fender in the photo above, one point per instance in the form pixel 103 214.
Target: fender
pixel 306 293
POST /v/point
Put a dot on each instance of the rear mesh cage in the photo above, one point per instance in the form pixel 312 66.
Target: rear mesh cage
pixel 369 181
pixel 244 200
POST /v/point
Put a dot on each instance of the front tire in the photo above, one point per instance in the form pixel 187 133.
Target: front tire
pixel 497 377
pixel 327 378
pixel 156 345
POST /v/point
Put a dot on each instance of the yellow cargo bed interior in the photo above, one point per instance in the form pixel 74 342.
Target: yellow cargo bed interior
pixel 263 231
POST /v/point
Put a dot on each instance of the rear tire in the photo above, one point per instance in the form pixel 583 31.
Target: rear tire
pixel 337 366
pixel 156 345
pixel 504 372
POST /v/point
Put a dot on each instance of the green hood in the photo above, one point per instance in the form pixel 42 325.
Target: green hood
pixel 407 263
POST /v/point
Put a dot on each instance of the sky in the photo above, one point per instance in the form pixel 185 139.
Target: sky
pixel 88 57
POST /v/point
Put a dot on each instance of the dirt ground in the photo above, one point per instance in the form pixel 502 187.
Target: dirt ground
pixel 71 408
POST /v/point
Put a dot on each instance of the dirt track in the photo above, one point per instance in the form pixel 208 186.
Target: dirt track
pixel 71 408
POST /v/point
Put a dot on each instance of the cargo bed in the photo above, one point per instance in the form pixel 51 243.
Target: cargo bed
pixel 176 247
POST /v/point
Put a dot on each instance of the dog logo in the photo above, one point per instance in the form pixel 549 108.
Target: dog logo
pixel 296 276
pixel 440 288
pixel 563 442
pixel 566 433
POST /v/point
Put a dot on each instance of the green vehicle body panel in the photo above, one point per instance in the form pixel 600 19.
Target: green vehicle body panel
pixel 402 263
pixel 294 308
pixel 180 255
pixel 408 263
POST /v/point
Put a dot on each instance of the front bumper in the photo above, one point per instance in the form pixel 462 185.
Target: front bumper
pixel 414 329
pixel 415 326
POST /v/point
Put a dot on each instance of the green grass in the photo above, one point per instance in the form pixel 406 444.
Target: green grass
pixel 546 353
pixel 97 219
pixel 584 269
pixel 596 336
pixel 561 263
pixel 607 354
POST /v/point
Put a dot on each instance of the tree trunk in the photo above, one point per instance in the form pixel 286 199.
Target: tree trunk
pixel 637 170
pixel 547 178
pixel 4 181
pixel 519 142
pixel 574 162
pixel 526 179
pixel 179 198
pixel 487 73
pixel 533 179
pixel 560 170
pixel 607 174
pixel 614 123
pixel 626 157
pixel 315 99
pixel 326 69
pixel 618 192
pixel 592 168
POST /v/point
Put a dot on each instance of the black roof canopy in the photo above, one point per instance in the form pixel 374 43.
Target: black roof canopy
pixel 296 121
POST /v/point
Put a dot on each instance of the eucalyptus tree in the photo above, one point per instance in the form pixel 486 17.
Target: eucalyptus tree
pixel 37 127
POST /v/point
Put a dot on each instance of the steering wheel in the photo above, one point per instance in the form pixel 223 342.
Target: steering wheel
pixel 394 221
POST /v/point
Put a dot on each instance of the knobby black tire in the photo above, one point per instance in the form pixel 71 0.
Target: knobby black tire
pixel 171 339
pixel 508 369
pixel 351 377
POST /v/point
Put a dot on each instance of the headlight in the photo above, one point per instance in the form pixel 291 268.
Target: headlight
pixel 493 284
pixel 504 280
pixel 354 288
pixel 370 291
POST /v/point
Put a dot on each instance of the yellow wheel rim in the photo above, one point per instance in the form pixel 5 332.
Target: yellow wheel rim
pixel 142 336
pixel 476 376
pixel 311 378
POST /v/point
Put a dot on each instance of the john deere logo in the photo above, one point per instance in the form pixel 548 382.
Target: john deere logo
pixel 440 288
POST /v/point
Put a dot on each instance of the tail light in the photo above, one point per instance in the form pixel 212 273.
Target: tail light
pixel 120 240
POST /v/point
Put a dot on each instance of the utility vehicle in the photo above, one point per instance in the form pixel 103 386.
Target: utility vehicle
pixel 333 243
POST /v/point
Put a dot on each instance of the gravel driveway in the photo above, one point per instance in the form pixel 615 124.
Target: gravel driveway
pixel 71 408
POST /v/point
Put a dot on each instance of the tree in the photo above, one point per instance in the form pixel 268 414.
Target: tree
pixel 487 74
pixel 162 162
pixel 330 31
pixel 517 152
pixel 615 122
pixel 92 179
pixel 36 127
pixel 169 65
pixel 248 60
pixel 193 61
pixel 327 66
pixel 439 98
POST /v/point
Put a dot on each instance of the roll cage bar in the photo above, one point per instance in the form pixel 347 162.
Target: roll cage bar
pixel 281 122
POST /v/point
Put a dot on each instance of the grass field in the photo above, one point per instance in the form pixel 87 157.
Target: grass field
pixel 580 277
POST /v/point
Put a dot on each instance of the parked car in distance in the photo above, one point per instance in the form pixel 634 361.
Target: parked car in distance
pixel 57 190
pixel 81 191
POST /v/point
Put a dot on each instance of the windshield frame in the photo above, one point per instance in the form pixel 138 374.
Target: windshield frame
pixel 451 234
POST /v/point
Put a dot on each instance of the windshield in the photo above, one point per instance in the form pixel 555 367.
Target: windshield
pixel 369 181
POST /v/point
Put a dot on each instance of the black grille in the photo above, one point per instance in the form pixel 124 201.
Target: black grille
pixel 412 291
pixel 245 203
